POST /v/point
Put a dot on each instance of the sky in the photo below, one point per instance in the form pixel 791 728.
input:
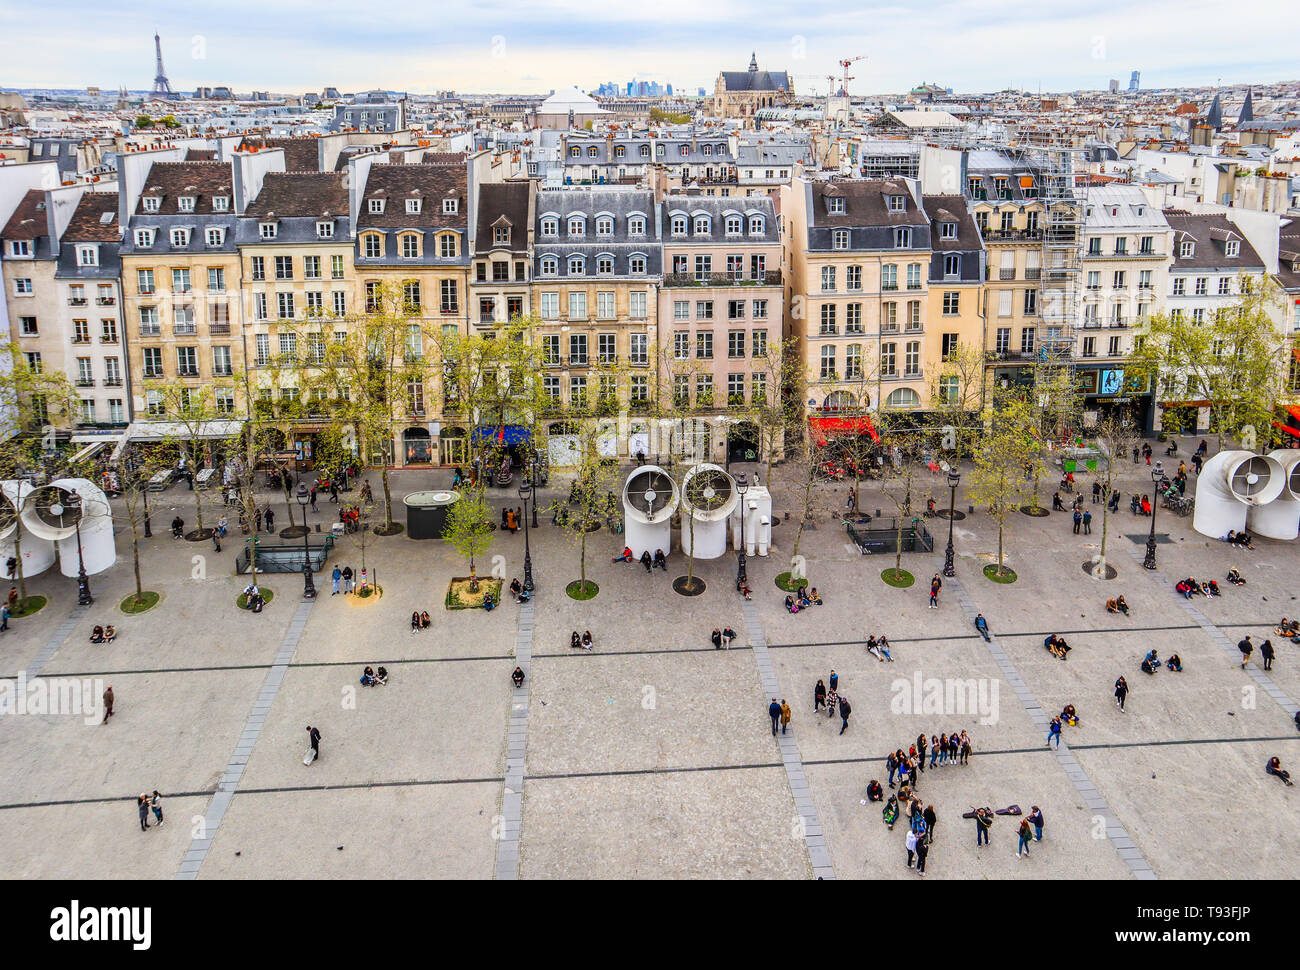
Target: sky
pixel 535 46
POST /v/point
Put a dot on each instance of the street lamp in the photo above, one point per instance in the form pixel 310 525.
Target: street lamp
pixel 525 493
pixel 742 486
pixel 83 581
pixel 308 584
pixel 1150 561
pixel 532 473
pixel 954 479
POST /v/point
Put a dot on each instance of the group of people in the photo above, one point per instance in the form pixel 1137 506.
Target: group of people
pixel 1289 629
pixel 832 701
pixel 253 599
pixel 145 801
pixel 1266 652
pixel 1241 539
pixel 103 634
pixel 1189 587
pixel 511 519
pixel 1056 646
pixel 583 642
pixel 1151 662
pixel 879 648
pixel 1117 605
pixel 420 620
pixel 802 598
pixel 342 580
pixel 371 678
pixel 722 638
pixel 517 590
pixel 350 516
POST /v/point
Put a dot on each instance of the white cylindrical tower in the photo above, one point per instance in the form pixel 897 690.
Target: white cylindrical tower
pixel 1280 518
pixel 54 511
pixel 1230 484
pixel 650 498
pixel 708 497
pixel 38 553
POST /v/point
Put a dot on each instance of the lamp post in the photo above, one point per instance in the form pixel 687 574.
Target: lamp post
pixel 742 486
pixel 525 493
pixel 954 479
pixel 532 470
pixel 83 581
pixel 1150 561
pixel 308 584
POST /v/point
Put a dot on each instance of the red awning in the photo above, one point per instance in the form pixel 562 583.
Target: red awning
pixel 842 424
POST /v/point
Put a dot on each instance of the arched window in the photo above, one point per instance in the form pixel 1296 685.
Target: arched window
pixel 904 397
pixel 702 225
pixel 605 265
pixel 636 265
pixel 840 401
pixel 550 265
pixel 576 265
pixel 679 225
pixel 645 151
pixel 757 225
pixel 604 226
pixel 577 226
pixel 550 226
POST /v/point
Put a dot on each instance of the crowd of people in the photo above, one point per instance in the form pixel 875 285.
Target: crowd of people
pixel 802 598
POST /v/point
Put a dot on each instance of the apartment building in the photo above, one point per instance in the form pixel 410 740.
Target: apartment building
pixel 32 296
pixel 702 158
pixel 412 237
pixel 297 284
pixel 955 316
pixel 720 312
pixel 502 253
pixel 597 264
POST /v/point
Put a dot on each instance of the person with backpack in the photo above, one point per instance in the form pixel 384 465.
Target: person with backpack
pixel 1026 835
pixel 845 711
pixel 1035 818
pixel 1246 648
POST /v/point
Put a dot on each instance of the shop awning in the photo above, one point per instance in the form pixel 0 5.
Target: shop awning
pixel 502 434
pixel 842 424
pixel 180 431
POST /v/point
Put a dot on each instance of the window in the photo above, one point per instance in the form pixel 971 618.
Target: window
pixel 577 226
pixel 606 348
pixel 636 226
pixel 757 225
pixel 373 244
pixel 1121 245
pixel 636 265
pixel 704 345
pixel 152 203
pixel 1180 286
pixel 221 361
pixel 604 265
pixel 828 326
pixel 410 246
pixel 951 302
pixel 828 279
pixel 889 277
pixel 827 371
pixel 224 399
pixel 341 301
pixel 1201 284
pixel 289 346
pixel 840 239
pixel 1002 342
pixel 376 206
pixel 913 358
pixel 636 305
pixel 703 267
pixel 1113 349
pixel 149 321
pixel 1120 279
pixel 639 348
pixel 681 345
pixel 1031 302
pixel 550 307
pixel 551 349
pixel 681 309
pixel 1186 249
pixel 853 278
pixel 735 343
pixel 284 267
pixel 550 266
pixel 604 226
pixel 412 207
pixel 87 255
pixel 284 303
pixel 144 281
pixel 1089 346
pixel 268 230
pixel 1232 248
pixel 735 309
pixel 144 238
pixel 180 281
pixel 853 317
pixel 263 349
pixel 216 279
pixel 311 267
pixel 187 361
pixel 577 305
pixel 1094 247
pixel 1225 285
pixel 889 317
pixel 411 296
pixel 180 238
pixel 913 276
pixel 1027 340
pixel 759 343
pixel 577 265
pixel 735 390
pixel 902 238
pixel 703 309
pixel 679 225
pixel 605 305
pixel 904 397
pixel 183 320
pixel 853 362
pixel 27 326
pixel 153 403
pixel 913 314
pixel 952 265
pixel 734 225
pixel 578 348
pixel 19 247
pixel 834 203
pixel 1004 303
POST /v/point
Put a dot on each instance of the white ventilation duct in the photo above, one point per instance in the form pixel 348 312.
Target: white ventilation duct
pixel 1229 485
pixel 38 553
pixel 756 506
pixel 708 497
pixel 1280 518
pixel 97 546
pixel 650 498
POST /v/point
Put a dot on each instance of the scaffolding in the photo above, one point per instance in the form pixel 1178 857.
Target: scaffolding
pixel 1063 189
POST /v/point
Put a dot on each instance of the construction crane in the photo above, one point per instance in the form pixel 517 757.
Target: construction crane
pixel 845 63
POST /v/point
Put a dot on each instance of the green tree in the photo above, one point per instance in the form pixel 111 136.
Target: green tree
pixel 1056 409
pixel 593 487
pixel 144 121
pixel 1114 434
pixel 959 390
pixel 1008 444
pixel 469 528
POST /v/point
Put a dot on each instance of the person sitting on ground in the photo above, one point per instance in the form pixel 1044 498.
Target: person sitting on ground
pixel 1185 588
pixel 982 625
pixel 178 526
pixel 626 557
pixel 815 597
pixel 1274 767
pixel 883 645
pixel 1112 606
pixel 1057 504
pixel 489 603
pixel 645 560
pixel 661 561
pixel 1210 588
pixel 110 633
pixel 97 635
pixel 1287 629
pixel 1150 663
pixel 874 791
pixel 575 639
pixel 1069 716
pixel 415 621
pixel 1174 663
pixel 518 676
pixel 874 649
pixel 1195 587
pixel 728 634
pixel 743 588
pixel 1234 577
pixel 1241 539
pixel 516 588
pixel 1122 605
pixel 425 622
pixel 367 678
pixel 717 639
pixel 790 605
pixel 1146 505
pixel 802 594
pixel 1057 646
pixel 586 640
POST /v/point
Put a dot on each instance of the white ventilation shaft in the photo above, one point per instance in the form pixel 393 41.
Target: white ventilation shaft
pixel 38 553
pixel 708 497
pixel 1230 484
pixel 649 500
pixel 1280 518
pixel 756 506
pixel 53 512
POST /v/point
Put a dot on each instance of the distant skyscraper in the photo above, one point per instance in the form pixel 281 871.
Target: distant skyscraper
pixel 629 88
pixel 670 90
pixel 1134 80
pixel 1114 85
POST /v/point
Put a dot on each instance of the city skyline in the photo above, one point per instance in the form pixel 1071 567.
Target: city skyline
pixel 500 47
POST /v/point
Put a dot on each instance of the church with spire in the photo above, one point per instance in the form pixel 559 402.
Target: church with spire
pixel 739 94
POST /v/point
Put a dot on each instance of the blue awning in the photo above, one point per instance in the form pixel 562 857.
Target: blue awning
pixel 502 434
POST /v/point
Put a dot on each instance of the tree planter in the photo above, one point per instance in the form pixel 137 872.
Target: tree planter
pixel 130 606
pixel 787 582
pixel 198 535
pixel 1091 568
pixel 267 595
pixel 461 597
pixel 388 530
pixel 899 579
pixel 576 591
pixel 28 606
pixel 1008 574
pixel 293 532
pixel 688 587
pixel 1037 511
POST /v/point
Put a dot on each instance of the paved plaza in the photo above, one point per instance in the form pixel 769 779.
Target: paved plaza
pixel 652 756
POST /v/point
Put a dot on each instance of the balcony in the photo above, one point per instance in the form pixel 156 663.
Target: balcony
pixel 1033 275
pixel 219 329
pixel 112 382
pixel 106 301
pixel 486 319
pixel 769 278
pixel 1006 274
pixel 1013 235
pixel 76 301
pixel 890 287
pixel 1121 323
pixel 85 382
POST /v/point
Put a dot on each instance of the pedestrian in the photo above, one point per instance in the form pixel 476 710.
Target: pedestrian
pixel 965 747
pixel 347 579
pixel 337 578
pixel 334 490
pixel 845 711
pixel 154 803
pixel 270 520
pixel 930 819
pixel 835 680
pixel 222 526
pixel 313 498
pixel 518 676
pixel 1054 732
pixel 911 847
pixel 1078 521
pixel 983 822
pixel 1246 647
pixel 920 749
pixel 819 696
pixel 142 803
pixel 785 715
pixel 108 703
pixel 982 625
pixel 922 850
pixel 257 520
pixel 1121 691
pixel 832 703
pixel 314 736
pixel 774 712
pixel 1087 522
pixel 216 539
pixel 936 584
pixel 1026 834
pixel 892 764
pixel 1036 820
pixel 4 617
pixel 1266 651
pixel 1096 492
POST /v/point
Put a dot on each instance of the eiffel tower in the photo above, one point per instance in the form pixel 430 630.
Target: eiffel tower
pixel 161 86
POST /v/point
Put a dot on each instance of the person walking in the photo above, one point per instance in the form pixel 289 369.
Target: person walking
pixel 832 703
pixel 910 842
pixel 337 578
pixel 1078 520
pixel 1246 648
pixel 313 498
pixel 1096 492
pixel 845 711
pixel 892 764
pixel 1036 820
pixel 142 803
pixel 930 819
pixel 774 712
pixel 1054 732
pixel 819 696
pixel 983 822
pixel 1266 652
pixel 835 680
pixel 1026 834
pixel 155 804
pixel 4 616
pixel 922 850
pixel 1121 692
pixel 785 715
pixel 347 579
pixel 334 490
pixel 936 584
pixel 270 520
pixel 314 736
pixel 1087 522
pixel 108 703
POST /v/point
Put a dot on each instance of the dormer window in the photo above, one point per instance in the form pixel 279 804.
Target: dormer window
pixel 185 203
pixel 644 151
pixel 215 236
pixel 450 206
pixel 902 238
pixel 757 225
pixel 412 207
pixel 604 226
pixel 735 225
pixel 267 230
pixel 591 152
pixel 221 203
pixel 679 225
pixel 550 227
pixel 87 255
pixel 897 203
pixel 501 236
pixel 947 230
pixel 840 239
pixel 636 226
pixel 376 206
pixel 325 229
pixel 660 151
pixel 835 203
pixel 576 265
pixel 619 151
pixel 701 225
pixel 1232 248
pixel 152 203
pixel 685 150
pixel 144 238
pixel 180 238
pixel 706 149
pixel 575 152
pixel 550 266
pixel 577 226
pixel 1186 250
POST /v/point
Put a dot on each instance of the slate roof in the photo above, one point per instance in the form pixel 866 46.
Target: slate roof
pixel 28 220
pixel 718 208
pixel 864 204
pixel 952 208
pixel 171 180
pixel 1209 232
pixel 756 80
pixel 300 154
pixel 87 224
pixel 290 194
pixel 508 199
pixel 1289 256
pixel 430 183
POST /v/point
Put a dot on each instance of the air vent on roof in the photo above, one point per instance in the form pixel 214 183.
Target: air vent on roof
pixel 105 218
